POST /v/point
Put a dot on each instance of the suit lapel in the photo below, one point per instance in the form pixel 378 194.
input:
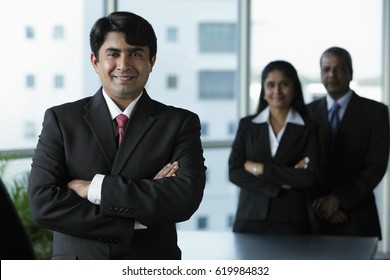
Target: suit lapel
pixel 351 113
pixel 98 118
pixel 263 149
pixel 139 123
pixel 289 138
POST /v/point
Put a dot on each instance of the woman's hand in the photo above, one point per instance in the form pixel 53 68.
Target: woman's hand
pixel 255 168
pixel 303 163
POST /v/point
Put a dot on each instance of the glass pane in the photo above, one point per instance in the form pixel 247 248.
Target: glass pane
pixel 195 21
pixel 50 50
pixel 299 31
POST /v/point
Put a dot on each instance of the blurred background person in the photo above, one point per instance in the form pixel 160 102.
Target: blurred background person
pixel 354 143
pixel 274 158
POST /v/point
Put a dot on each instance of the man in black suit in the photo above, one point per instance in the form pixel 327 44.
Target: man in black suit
pixel 354 143
pixel 110 200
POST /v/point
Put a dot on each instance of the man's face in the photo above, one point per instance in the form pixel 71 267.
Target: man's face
pixel 335 75
pixel 122 68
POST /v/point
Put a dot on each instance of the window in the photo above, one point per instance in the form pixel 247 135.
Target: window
pixel 202 222
pixel 204 129
pixel 217 84
pixel 172 34
pixel 30 81
pixel 232 128
pixel 58 32
pixel 58 81
pixel 30 32
pixel 230 220
pixel 217 37
pixel 172 82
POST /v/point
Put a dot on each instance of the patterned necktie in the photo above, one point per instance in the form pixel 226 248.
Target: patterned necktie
pixel 334 119
pixel 121 120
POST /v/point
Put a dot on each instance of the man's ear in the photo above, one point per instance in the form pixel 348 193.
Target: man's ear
pixel 94 62
pixel 152 62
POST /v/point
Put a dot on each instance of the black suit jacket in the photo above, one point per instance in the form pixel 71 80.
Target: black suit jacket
pixel 78 141
pixel 354 163
pixel 256 192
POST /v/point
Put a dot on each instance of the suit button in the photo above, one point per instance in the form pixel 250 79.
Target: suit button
pixel 131 211
pixel 110 208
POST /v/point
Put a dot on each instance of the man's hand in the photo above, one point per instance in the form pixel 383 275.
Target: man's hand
pixel 326 206
pixel 80 187
pixel 167 171
pixel 338 218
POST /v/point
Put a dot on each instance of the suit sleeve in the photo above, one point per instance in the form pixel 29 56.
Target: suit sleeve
pixel 237 173
pixel 54 205
pixel 375 162
pixel 167 200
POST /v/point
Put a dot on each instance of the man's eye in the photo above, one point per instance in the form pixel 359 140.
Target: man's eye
pixel 136 54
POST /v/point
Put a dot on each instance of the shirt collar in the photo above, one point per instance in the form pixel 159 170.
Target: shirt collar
pixel 342 101
pixel 293 117
pixel 115 110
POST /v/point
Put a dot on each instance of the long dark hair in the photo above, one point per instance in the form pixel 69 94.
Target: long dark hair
pixel 289 71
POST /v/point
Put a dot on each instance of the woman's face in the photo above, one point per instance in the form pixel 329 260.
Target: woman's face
pixel 278 90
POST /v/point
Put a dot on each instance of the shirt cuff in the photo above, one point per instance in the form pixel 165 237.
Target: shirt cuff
pixel 95 195
pixel 95 189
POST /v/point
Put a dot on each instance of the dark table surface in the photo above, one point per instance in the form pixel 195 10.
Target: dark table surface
pixel 206 245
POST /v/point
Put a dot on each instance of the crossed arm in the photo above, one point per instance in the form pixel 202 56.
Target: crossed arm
pixel 257 168
pixel 81 187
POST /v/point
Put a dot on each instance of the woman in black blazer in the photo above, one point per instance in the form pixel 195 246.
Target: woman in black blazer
pixel 274 158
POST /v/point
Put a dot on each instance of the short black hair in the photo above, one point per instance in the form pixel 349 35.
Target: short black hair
pixel 137 30
pixel 342 53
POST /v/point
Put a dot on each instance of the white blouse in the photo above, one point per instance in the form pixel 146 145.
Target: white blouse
pixel 274 140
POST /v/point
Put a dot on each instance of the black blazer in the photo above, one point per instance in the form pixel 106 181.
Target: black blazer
pixel 78 141
pixel 256 193
pixel 355 162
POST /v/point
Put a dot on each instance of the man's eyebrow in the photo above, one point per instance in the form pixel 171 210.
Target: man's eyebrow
pixel 135 49
pixel 112 50
pixel 129 50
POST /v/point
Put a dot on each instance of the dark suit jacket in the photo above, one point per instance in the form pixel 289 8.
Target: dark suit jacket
pixel 78 141
pixel 16 244
pixel 258 194
pixel 355 162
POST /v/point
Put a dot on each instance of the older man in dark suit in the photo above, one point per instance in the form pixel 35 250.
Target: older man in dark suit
pixel 354 142
pixel 108 187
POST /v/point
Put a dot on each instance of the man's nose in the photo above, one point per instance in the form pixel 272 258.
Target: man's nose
pixel 124 62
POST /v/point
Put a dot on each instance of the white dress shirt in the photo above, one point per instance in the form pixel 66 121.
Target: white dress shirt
pixel 274 140
pixel 343 102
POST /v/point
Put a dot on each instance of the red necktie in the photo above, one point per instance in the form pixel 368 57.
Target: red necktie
pixel 121 120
